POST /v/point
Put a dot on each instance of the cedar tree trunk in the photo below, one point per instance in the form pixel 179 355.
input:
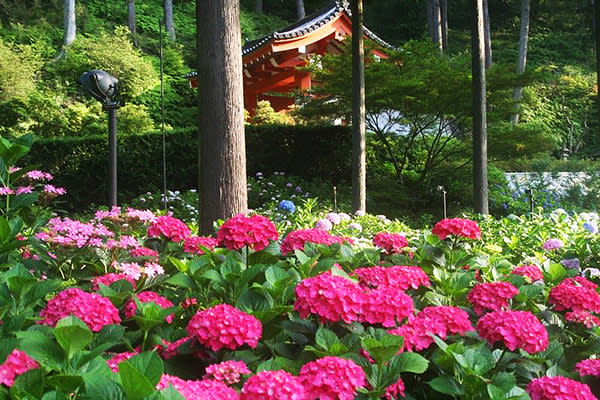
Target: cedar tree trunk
pixel 488 35
pixel 222 153
pixel 300 9
pixel 444 27
pixel 169 23
pixel 70 26
pixel 131 19
pixel 523 39
pixel 480 181
pixel 359 169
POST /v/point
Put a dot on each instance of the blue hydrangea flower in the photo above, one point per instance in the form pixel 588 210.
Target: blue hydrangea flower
pixel 591 227
pixel 286 205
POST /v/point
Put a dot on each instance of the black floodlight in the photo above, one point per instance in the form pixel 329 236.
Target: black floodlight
pixel 105 88
pixel 102 86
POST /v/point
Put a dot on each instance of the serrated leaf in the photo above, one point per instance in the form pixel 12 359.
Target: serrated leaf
pixel 72 334
pixel 41 348
pixel 135 384
pixel 447 385
pixel 410 362
pixel 325 338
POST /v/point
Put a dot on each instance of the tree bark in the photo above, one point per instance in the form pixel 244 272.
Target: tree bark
pixel 597 42
pixel 169 23
pixel 523 40
pixel 429 5
pixel 222 153
pixel 258 6
pixel 480 179
pixel 131 19
pixel 300 9
pixel 359 169
pixel 69 22
pixel 444 25
pixel 436 18
pixel 488 35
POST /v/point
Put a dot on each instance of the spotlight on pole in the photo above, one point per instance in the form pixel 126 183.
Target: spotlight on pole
pixel 105 88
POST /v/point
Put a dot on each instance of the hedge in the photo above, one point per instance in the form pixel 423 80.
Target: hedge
pixel 80 163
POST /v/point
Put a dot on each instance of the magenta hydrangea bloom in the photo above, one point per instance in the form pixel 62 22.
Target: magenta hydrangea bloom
pixel 590 366
pixel 333 298
pixel 228 372
pixel 395 390
pixel 192 244
pixel 331 378
pixel 224 326
pixel 516 329
pixel 143 252
pixel 273 385
pixel 148 297
pixel 531 272
pixel 95 310
pixel 172 228
pixel 295 240
pixel 113 362
pixel 399 276
pixel 575 294
pixel 195 390
pixel 110 278
pixel 584 317
pixel 492 296
pixel 459 227
pixel 256 232
pixel 390 242
pixel 17 363
pixel 558 388
pixel 438 320
pixel 386 306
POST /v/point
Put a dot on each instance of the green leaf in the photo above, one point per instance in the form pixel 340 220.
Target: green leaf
pixel 181 280
pixel 495 392
pixel 149 364
pixel 557 272
pixel 65 383
pixel 275 274
pixel 553 352
pixel 135 383
pixel 410 362
pixel 101 387
pixel 31 383
pixel 447 385
pixel 72 334
pixel 325 338
pixel 180 265
pixel 42 349
pixel 170 393
pixel 504 380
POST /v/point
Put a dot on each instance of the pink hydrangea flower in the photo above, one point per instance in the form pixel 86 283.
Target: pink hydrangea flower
pixel 224 326
pixel 152 269
pixel 324 224
pixel 459 227
pixel 575 294
pixel 334 218
pixel 95 310
pixel 140 215
pixel 531 272
pixel 113 362
pixel 256 232
pixel 172 228
pixel 36 175
pixel 148 297
pixel 516 329
pixel 195 390
pixel 399 276
pixel 71 233
pixel 17 363
pixel 51 189
pixel 584 317
pixel 386 306
pixel 24 190
pixel 228 372
pixel 553 244
pixel 142 252
pixel 295 240
pixel 438 320
pixel 492 296
pixel 331 378
pixel 331 297
pixel 395 390
pixel 558 388
pixel 133 270
pixel 273 385
pixel 113 213
pixel 192 244
pixel 390 242
pixel 110 278
pixel 590 366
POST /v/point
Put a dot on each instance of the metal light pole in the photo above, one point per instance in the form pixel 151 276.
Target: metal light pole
pixel 105 88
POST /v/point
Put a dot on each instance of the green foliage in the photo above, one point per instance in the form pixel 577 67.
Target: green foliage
pixel 265 114
pixel 18 68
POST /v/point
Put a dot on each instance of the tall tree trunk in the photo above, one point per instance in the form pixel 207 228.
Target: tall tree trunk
pixel 69 20
pixel 258 6
pixel 131 19
pixel 480 180
pixel 436 18
pixel 444 25
pixel 523 39
pixel 222 152
pixel 169 23
pixel 429 5
pixel 597 42
pixel 359 169
pixel 488 35
pixel 300 9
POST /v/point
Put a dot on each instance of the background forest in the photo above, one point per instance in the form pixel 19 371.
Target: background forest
pixel 40 92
